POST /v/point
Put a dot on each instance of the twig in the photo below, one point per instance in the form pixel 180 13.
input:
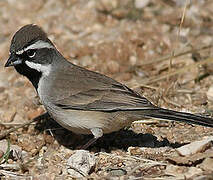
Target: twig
pixel 146 86
pixel 183 17
pixel 176 55
pixel 13 124
pixel 146 121
pixel 186 91
pixel 179 71
pixel 171 102
pixel 10 166
pixel 145 166
pixel 13 116
pixel 3 135
pixel 14 175
pixel 136 86
pixel 129 157
pixel 15 128
pixel 6 155
pixel 178 36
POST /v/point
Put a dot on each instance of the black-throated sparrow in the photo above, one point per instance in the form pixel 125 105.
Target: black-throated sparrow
pixel 80 100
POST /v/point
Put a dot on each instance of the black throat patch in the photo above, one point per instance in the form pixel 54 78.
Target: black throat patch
pixel 32 74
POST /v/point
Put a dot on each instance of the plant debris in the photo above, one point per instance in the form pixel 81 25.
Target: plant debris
pixel 161 49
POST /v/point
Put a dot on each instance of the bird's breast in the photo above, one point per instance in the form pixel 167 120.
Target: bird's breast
pixel 43 90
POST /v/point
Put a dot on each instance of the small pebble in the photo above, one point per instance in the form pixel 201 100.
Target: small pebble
pixel 139 4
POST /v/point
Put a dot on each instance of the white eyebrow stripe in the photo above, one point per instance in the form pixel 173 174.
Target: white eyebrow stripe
pixel 37 45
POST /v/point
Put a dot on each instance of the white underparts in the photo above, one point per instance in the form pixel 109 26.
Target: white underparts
pixel 44 69
pixel 37 45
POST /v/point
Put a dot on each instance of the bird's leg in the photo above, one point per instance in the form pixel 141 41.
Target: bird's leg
pixel 97 133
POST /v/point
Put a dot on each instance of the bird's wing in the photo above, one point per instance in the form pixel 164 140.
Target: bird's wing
pixel 95 92
pixel 104 100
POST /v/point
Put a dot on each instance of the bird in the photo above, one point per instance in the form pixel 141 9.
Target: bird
pixel 80 100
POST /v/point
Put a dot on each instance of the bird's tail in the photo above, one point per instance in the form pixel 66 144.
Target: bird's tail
pixel 179 116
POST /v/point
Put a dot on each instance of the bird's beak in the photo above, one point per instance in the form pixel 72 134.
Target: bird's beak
pixel 13 61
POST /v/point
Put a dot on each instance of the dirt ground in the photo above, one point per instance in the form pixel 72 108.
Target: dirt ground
pixel 140 43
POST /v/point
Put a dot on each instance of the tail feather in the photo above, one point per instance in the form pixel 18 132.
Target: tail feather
pixel 180 116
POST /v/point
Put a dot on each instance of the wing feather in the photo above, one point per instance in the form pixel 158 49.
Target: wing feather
pixel 94 92
pixel 105 100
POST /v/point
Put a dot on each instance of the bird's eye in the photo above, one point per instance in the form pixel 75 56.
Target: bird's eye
pixel 31 53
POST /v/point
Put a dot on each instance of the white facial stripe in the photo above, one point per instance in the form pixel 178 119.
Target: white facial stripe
pixel 20 52
pixel 44 69
pixel 37 45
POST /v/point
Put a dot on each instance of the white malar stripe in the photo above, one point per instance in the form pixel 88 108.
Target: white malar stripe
pixel 37 45
pixel 44 69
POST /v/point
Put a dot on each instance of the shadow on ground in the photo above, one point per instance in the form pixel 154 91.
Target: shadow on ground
pixel 118 140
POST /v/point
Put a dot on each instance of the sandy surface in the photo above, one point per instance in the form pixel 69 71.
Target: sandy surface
pixel 124 40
